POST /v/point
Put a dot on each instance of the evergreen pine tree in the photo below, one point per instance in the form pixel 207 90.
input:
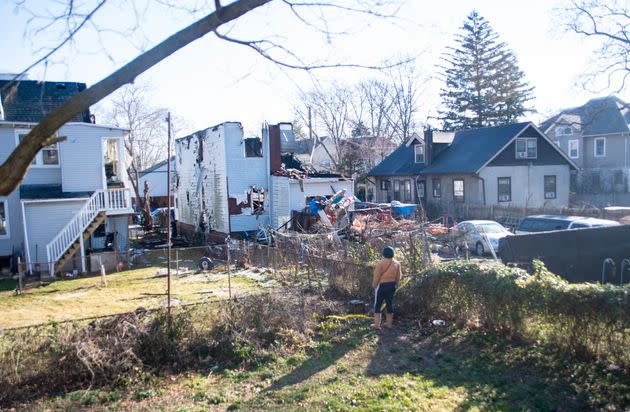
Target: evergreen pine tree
pixel 484 86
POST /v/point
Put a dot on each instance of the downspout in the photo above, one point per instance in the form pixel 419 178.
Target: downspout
pixel 483 188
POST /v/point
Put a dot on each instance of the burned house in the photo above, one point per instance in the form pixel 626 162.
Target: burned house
pixel 229 183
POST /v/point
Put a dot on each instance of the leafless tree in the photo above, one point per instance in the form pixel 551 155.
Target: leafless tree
pixel 405 84
pixel 145 144
pixel 16 165
pixel 377 98
pixel 330 111
pixel 608 21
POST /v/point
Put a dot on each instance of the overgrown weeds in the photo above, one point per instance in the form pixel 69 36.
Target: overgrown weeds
pixel 588 320
pixel 125 349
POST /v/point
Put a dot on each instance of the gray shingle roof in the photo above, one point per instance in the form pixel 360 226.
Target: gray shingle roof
pixel 470 150
pixel 603 115
pixel 30 100
pixel 400 162
pixel 49 192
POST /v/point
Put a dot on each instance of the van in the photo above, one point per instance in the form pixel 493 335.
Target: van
pixel 544 223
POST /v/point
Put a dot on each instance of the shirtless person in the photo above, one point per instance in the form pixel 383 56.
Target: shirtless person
pixel 387 274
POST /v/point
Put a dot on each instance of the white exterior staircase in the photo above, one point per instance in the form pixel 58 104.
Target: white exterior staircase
pixel 71 238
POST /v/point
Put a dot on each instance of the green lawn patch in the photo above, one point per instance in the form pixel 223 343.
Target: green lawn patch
pixel 125 291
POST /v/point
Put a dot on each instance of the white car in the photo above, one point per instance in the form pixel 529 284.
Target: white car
pixel 480 235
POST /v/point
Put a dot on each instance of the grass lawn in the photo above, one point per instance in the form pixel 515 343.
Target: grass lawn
pixel 350 367
pixel 125 291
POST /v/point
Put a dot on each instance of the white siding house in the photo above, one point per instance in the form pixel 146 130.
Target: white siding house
pixel 226 182
pixel 78 183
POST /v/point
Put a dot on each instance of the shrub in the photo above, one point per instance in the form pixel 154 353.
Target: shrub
pixel 589 320
pixel 120 350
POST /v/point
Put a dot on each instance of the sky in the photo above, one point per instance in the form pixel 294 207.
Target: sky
pixel 211 81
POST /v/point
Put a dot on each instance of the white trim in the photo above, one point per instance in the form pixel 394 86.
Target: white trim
pixel 32 124
pixel 544 136
pixel 595 147
pixel 526 140
pixel 39 157
pixel 415 153
pixel 412 138
pixel 7 225
pixel 578 148
pixel 71 199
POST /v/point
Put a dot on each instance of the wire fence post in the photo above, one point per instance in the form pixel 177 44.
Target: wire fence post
pixel 103 277
pixel 21 274
pixel 227 244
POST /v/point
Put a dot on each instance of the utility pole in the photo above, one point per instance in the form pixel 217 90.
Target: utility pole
pixel 168 214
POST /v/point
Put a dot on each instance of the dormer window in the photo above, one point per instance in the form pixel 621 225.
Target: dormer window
pixel 526 148
pixel 564 131
pixel 418 151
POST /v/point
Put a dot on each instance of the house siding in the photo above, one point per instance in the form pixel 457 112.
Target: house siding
pixel 599 175
pixel 243 173
pixel 81 157
pixel 527 185
pixel 202 186
pixel 15 241
pixel 43 221
pixel 546 154
pixel 473 192
pixel 280 200
pixel 156 180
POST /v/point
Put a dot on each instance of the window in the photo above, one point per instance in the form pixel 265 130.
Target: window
pixel 396 189
pixel 253 147
pixel 550 187
pixel 600 147
pixel 384 184
pixel 257 199
pixel 48 156
pixel 4 218
pixel 458 190
pixel 406 190
pixel 618 177
pixel 504 189
pixel 574 149
pixel 564 131
pixel 526 148
pixel 437 188
pixel 418 153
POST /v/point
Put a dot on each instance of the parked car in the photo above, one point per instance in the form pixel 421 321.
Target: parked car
pixel 545 223
pixel 480 235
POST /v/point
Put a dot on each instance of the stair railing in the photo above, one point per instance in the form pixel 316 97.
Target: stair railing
pixel 75 227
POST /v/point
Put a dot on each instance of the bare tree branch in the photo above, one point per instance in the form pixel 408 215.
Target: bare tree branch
pixel 15 167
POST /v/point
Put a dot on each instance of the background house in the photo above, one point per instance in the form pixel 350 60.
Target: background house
pixel 74 193
pixel 514 165
pixel 229 183
pixel 156 179
pixel 596 137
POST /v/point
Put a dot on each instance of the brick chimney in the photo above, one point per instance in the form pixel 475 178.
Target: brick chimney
pixel 428 146
pixel 275 159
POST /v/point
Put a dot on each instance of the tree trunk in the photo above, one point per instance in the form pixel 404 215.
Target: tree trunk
pixel 15 167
